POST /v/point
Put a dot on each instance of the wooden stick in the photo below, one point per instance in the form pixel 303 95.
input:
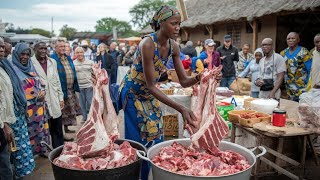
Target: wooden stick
pixel 182 9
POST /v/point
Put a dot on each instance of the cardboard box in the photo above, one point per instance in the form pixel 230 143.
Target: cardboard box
pixel 171 125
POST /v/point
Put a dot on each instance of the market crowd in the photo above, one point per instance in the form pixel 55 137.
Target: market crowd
pixel 44 87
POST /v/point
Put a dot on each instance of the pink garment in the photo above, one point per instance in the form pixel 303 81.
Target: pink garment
pixel 210 60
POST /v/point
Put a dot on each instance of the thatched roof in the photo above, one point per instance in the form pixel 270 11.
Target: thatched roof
pixel 201 12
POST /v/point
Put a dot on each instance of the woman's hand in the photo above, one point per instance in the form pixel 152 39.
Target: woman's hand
pixel 41 95
pixel 190 119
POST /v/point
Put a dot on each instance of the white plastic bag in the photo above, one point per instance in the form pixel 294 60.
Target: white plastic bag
pixel 309 110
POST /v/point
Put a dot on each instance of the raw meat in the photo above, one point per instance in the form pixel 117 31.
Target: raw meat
pixel 120 156
pixel 95 148
pixel 212 127
pixel 212 162
pixel 97 135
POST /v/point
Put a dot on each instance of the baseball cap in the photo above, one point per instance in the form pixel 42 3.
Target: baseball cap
pixel 84 43
pixel 209 42
pixel 227 37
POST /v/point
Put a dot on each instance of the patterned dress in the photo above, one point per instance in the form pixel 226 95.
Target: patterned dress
pixel 38 127
pixel 298 70
pixel 142 113
pixel 22 159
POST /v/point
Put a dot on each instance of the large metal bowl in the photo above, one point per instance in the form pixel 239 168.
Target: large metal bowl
pixel 130 171
pixel 160 173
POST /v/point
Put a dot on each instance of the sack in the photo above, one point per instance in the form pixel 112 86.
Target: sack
pixel 241 86
pixel 267 85
pixel 309 110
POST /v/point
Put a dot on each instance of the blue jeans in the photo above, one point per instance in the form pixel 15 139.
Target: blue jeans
pixel 85 101
pixel 5 166
pixel 255 94
pixel 227 81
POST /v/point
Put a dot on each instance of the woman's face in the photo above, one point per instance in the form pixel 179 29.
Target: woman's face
pixel 258 56
pixel 102 48
pixel 210 48
pixel 80 55
pixel 68 50
pixel 24 57
pixel 171 26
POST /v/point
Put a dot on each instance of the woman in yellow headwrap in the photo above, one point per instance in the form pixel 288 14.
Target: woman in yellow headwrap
pixel 139 97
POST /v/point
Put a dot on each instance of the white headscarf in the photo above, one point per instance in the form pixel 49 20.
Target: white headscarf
pixel 258 50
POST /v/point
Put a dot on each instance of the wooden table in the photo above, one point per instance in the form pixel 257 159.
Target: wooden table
pixel 305 136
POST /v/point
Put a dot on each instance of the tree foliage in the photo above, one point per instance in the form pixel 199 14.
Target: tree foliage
pixel 9 27
pixel 143 11
pixel 67 32
pixel 40 31
pixel 106 24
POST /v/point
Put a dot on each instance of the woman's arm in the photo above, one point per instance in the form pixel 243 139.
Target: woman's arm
pixel 185 81
pixel 147 52
pixel 245 72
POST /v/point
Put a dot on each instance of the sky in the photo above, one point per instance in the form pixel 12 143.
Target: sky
pixel 80 14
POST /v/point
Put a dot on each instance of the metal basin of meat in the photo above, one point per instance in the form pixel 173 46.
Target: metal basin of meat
pixel 160 173
pixel 131 171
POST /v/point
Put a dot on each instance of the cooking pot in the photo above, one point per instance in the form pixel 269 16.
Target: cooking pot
pixel 130 171
pixel 160 173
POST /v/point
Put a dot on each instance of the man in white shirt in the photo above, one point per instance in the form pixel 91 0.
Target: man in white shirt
pixel 272 69
pixel 87 50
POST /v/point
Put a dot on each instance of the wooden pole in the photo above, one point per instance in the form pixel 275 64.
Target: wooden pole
pixel 254 35
pixel 186 33
pixel 182 8
pixel 210 30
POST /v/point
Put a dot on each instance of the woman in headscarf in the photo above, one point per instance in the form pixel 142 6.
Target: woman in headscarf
pixel 139 97
pixel 38 127
pixel 22 158
pixel 254 69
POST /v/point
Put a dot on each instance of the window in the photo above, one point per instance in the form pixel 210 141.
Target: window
pixel 234 29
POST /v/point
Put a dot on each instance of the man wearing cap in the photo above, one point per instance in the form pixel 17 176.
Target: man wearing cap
pixel 208 58
pixel 189 50
pixel 87 50
pixel 228 55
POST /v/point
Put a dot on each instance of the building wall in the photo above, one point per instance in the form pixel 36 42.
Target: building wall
pixel 268 29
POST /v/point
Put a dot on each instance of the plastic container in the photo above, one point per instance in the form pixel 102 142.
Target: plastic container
pixel 223 109
pixel 279 118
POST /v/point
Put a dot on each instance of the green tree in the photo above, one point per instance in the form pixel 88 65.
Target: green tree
pixel 67 32
pixel 143 11
pixel 123 28
pixel 40 31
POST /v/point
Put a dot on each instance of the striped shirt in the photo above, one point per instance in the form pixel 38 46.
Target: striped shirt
pixel 83 70
pixel 68 70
